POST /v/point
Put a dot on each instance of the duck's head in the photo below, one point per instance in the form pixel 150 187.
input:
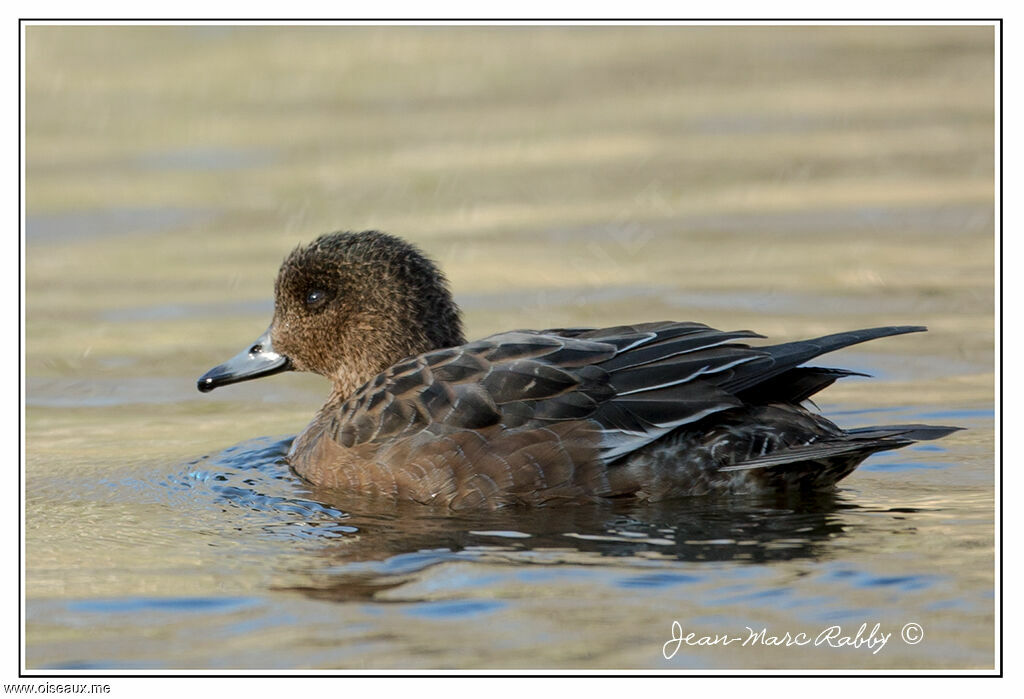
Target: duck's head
pixel 347 306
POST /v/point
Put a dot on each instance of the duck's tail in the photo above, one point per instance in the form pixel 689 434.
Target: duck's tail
pixel 823 463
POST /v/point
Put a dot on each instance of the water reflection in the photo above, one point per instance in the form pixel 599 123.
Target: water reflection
pixel 359 547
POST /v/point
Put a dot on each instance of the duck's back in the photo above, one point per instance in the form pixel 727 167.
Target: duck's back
pixel 654 410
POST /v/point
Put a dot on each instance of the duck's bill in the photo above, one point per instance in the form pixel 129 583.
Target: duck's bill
pixel 258 360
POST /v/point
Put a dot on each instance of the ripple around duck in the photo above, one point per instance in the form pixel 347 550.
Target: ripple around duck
pixel 371 552
pixel 252 480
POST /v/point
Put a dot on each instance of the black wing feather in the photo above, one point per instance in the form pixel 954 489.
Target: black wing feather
pixel 786 356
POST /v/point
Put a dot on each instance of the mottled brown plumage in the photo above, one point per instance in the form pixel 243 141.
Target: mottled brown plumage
pixel 654 410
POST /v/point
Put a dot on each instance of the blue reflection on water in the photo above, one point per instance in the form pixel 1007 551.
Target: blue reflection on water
pixel 125 605
pixel 654 580
pixel 454 608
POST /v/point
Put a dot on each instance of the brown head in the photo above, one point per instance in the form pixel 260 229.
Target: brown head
pixel 347 306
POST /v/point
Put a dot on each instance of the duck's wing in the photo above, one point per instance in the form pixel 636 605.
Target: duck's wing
pixel 626 381
pixel 629 384
pixel 472 386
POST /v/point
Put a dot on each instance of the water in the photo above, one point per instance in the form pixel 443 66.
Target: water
pixel 602 177
pixel 264 571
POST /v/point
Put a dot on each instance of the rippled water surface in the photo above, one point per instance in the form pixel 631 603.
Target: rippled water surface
pixel 796 182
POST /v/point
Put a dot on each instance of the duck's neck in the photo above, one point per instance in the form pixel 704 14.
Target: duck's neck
pixel 364 364
pixel 349 378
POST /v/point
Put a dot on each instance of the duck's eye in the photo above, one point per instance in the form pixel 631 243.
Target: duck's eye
pixel 315 298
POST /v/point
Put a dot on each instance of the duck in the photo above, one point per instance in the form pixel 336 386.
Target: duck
pixel 651 411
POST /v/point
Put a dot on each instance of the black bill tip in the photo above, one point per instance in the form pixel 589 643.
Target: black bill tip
pixel 258 360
